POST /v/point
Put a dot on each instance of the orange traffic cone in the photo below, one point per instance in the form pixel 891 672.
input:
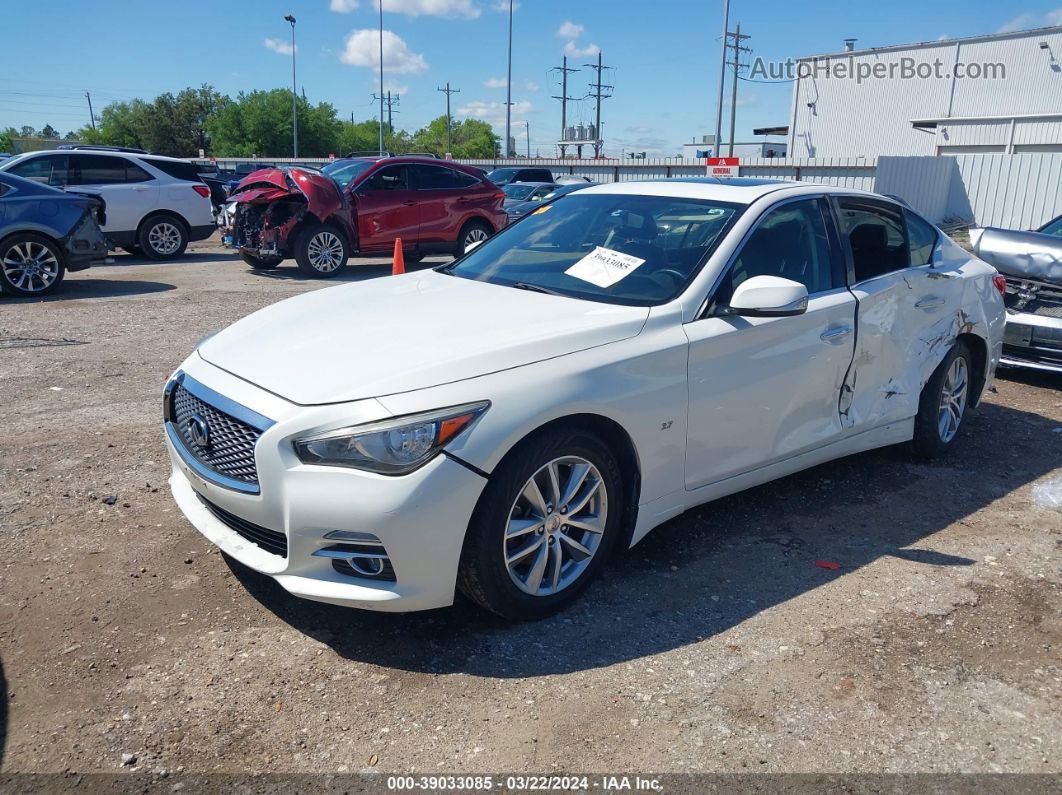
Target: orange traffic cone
pixel 399 265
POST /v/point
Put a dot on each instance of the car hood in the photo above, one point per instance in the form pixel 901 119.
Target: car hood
pixel 402 333
pixel 1032 255
pixel 268 184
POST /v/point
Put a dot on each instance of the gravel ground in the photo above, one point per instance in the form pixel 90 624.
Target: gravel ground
pixel 129 645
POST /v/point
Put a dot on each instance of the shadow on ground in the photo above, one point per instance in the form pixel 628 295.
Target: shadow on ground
pixel 354 272
pixel 80 289
pixel 3 714
pixel 198 257
pixel 711 569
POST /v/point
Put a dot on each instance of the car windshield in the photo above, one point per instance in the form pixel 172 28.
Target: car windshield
pixel 560 190
pixel 518 190
pixel 1054 227
pixel 499 175
pixel 343 172
pixel 636 250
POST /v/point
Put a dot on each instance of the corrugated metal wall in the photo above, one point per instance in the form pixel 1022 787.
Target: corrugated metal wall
pixel 1012 191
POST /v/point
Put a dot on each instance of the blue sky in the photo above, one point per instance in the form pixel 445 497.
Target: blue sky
pixel 665 54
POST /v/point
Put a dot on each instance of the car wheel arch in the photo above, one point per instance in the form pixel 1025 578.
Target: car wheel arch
pixel 166 212
pixel 619 442
pixel 979 349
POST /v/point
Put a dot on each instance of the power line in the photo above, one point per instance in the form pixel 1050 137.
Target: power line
pixel 390 101
pixel 599 93
pixel 564 98
pixel 736 65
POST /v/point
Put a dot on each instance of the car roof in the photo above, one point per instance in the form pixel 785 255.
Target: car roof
pixel 736 190
pixel 104 153
pixel 537 184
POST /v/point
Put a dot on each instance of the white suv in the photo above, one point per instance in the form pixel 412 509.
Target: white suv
pixel 155 205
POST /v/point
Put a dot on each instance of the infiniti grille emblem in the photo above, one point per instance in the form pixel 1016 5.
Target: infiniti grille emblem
pixel 199 431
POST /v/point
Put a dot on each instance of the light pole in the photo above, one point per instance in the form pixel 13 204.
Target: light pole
pixel 722 78
pixel 294 105
pixel 381 82
pixel 509 85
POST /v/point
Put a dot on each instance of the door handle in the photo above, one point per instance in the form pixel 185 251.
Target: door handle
pixel 409 203
pixel 930 302
pixel 836 334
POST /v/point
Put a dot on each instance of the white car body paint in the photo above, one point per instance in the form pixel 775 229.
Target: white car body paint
pixel 711 405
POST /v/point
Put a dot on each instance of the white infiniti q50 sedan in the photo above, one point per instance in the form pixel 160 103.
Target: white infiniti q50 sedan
pixel 502 423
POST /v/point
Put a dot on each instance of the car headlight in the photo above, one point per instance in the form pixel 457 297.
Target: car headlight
pixel 391 447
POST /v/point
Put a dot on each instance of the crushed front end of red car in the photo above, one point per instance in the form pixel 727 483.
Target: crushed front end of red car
pixel 272 204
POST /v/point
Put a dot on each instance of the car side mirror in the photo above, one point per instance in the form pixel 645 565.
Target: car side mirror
pixel 473 245
pixel 769 296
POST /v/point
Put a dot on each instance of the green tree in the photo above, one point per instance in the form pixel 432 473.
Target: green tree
pixel 49 132
pixel 364 136
pixel 7 140
pixel 259 123
pixel 27 131
pixel 470 138
pixel 177 125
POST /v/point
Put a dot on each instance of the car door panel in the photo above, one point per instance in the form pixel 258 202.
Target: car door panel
pixel 763 389
pixel 386 209
pixel 130 198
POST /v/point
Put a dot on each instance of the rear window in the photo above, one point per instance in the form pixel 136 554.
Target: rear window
pixel 176 169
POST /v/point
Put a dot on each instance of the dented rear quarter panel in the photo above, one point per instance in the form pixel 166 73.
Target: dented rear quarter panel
pixel 908 321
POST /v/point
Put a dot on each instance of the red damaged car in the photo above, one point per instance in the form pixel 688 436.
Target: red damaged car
pixel 359 206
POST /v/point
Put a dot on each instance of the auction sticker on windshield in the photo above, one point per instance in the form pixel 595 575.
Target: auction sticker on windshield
pixel 604 267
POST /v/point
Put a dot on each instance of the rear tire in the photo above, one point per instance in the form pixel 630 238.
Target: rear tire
pixel 162 237
pixel 321 251
pixel 473 232
pixel 261 263
pixel 31 265
pixel 508 537
pixel 943 403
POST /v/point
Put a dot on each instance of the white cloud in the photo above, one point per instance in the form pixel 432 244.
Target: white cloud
pixel 343 6
pixel 572 50
pixel 1028 20
pixel 432 8
pixel 278 45
pixel 569 30
pixel 502 6
pixel 531 85
pixel 494 82
pixel 395 88
pixel 494 112
pixel 363 49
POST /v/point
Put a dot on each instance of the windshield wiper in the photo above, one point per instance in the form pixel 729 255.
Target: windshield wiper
pixel 535 288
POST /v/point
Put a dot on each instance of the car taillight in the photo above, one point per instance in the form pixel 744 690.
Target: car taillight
pixel 499 196
pixel 1000 283
pixel 202 190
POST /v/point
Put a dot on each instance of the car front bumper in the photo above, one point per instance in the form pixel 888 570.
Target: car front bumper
pixel 419 518
pixel 1033 341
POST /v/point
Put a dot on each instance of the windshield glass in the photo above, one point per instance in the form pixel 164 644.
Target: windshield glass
pixel 637 250
pixel 500 175
pixel 518 190
pixel 343 172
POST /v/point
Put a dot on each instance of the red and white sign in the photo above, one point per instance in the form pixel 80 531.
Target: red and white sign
pixel 722 166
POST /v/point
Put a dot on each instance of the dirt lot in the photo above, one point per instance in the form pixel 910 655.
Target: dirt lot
pixel 128 644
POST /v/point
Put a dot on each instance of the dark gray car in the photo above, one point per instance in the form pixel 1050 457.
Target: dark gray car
pixel 45 232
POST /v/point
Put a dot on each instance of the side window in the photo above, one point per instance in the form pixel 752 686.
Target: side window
pixel 134 173
pixel 389 178
pixel 791 242
pixel 100 169
pixel 1053 228
pixel 876 236
pixel 434 178
pixel 51 170
pixel 462 180
pixel 923 239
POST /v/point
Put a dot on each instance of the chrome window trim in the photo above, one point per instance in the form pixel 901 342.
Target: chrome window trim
pixel 222 404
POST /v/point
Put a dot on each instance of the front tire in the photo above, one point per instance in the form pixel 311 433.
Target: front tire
pixel 544 525
pixel 943 403
pixel 162 237
pixel 321 252
pixel 31 265
pixel 261 263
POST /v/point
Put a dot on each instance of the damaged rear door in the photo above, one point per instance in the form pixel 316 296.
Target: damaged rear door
pixel 386 208
pixel 905 311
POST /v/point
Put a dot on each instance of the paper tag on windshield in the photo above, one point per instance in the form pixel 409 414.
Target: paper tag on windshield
pixel 604 267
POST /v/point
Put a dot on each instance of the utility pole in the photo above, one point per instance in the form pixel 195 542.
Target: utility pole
pixel 527 129
pixel 722 79
pixel 601 92
pixel 564 99
pixel 509 85
pixel 381 82
pixel 387 99
pixel 448 91
pixel 738 49
pixel 390 121
pixel 294 95
pixel 92 119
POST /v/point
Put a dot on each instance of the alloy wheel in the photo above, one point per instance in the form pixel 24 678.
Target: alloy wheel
pixel 30 266
pixel 555 526
pixel 325 252
pixel 164 238
pixel 953 399
pixel 476 234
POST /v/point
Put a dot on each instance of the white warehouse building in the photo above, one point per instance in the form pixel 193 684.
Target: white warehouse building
pixel 996 93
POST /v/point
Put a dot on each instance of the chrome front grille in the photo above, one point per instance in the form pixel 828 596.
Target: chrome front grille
pixel 1035 298
pixel 229 447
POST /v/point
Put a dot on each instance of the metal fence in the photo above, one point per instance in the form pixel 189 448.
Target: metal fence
pixel 1014 191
